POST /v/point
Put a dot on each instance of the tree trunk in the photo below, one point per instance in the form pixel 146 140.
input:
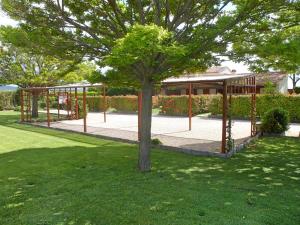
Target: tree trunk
pixel 145 142
pixel 35 105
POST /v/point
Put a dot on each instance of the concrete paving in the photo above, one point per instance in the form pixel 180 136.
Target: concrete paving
pixel 172 131
pixel 202 128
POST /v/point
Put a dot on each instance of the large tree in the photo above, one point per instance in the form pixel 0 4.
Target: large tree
pixel 27 67
pixel 142 41
pixel 277 47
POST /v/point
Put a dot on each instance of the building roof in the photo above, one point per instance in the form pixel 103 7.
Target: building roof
pixel 221 73
pixel 207 78
pixel 274 77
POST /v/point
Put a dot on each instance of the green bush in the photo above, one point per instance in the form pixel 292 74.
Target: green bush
pixel 7 100
pixel 96 103
pixel 275 120
pixel 297 90
pixel 241 105
pixel 126 104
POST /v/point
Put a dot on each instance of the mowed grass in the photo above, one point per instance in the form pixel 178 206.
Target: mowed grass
pixel 59 178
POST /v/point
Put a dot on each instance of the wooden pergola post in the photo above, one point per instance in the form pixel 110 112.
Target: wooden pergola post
pixel 70 99
pixel 29 106
pixel 224 122
pixel 68 110
pixel 190 106
pixel 48 110
pixel 253 106
pixel 58 106
pixel 104 103
pixel 139 114
pixel 84 110
pixel 22 105
pixel 76 104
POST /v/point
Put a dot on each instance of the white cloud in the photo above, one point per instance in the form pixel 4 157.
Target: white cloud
pixel 5 20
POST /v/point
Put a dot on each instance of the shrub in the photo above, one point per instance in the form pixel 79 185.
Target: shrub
pixel 241 105
pixel 7 100
pixel 96 103
pixel 178 105
pixel 124 103
pixel 156 141
pixel 275 120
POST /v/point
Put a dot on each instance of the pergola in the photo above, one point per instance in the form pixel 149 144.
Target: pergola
pixel 229 84
pixel 68 92
pixel 241 84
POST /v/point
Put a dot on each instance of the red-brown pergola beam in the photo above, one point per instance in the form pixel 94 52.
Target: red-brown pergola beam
pixel 84 110
pixel 70 99
pixel 190 106
pixel 104 103
pixel 48 110
pixel 76 104
pixel 224 122
pixel 22 105
pixel 253 107
pixel 58 109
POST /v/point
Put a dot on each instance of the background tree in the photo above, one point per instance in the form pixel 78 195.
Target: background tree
pixel 27 68
pixel 155 38
pixel 277 47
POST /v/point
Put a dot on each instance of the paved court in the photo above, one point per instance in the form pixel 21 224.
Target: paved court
pixel 172 131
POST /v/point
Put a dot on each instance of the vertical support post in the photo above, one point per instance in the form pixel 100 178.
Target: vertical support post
pixel 84 109
pixel 140 96
pixel 22 105
pixel 190 106
pixel 224 122
pixel 48 110
pixel 29 106
pixel 253 106
pixel 76 104
pixel 104 103
pixel 68 104
pixel 70 99
pixel 58 106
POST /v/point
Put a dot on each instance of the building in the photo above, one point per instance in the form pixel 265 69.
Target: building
pixel 279 79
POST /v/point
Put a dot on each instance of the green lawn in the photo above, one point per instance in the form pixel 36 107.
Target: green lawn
pixel 57 178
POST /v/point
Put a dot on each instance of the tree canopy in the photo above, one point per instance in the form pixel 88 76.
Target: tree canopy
pixel 276 46
pixel 141 42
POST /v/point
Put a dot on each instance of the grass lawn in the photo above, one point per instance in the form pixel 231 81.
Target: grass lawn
pixel 58 178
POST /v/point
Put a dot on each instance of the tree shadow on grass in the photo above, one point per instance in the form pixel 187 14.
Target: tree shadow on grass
pixel 85 185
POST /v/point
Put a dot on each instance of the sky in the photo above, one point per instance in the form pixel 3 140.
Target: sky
pixel 239 67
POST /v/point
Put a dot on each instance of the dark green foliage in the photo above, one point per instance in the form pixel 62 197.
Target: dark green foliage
pixel 124 103
pixel 275 120
pixel 121 91
pixel 178 105
pixel 241 105
pixel 297 90
pixel 7 100
pixel 156 141
pixel 96 103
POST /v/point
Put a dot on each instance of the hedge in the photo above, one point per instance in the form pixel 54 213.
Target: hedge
pixel 96 103
pixel 241 105
pixel 124 103
pixel 7 100
pixel 178 105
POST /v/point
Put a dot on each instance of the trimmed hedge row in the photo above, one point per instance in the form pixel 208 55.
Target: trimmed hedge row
pixel 241 105
pixel 125 104
pixel 178 105
pixel 7 100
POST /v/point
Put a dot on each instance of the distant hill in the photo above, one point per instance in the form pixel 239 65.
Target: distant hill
pixel 10 87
